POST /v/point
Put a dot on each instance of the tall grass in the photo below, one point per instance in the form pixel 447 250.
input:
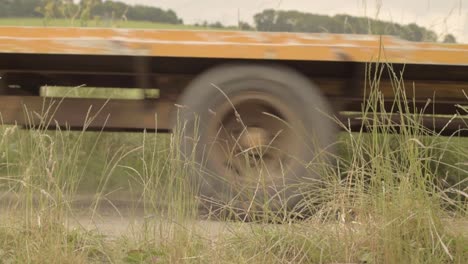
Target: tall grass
pixel 385 198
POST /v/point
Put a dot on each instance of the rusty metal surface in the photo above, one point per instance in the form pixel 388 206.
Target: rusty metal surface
pixel 426 107
pixel 139 115
pixel 227 44
pixel 91 114
pixel 421 89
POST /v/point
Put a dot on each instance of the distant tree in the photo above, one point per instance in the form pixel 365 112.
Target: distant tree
pixel 266 20
pixel 87 10
pixel 19 8
pixel 449 38
pixel 49 9
pixel 107 8
pixel 70 10
pixel 216 24
pixel 414 32
pixel 245 26
pixel 139 12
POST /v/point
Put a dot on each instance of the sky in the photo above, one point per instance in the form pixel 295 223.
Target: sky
pixel 442 16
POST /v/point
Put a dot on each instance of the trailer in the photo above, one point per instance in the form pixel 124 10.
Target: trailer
pixel 266 95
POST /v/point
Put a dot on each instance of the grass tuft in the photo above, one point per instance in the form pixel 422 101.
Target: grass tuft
pixel 386 197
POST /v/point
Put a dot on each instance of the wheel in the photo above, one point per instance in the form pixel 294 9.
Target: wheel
pixel 252 131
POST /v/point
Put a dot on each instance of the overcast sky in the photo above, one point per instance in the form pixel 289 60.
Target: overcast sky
pixel 440 15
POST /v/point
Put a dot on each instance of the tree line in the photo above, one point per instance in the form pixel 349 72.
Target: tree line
pixel 295 21
pixel 267 20
pixel 86 10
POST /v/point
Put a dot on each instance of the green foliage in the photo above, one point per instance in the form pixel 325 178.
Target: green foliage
pixel 206 24
pixel 19 8
pixel 449 38
pixel 245 26
pixel 140 12
pixel 49 9
pixel 295 21
pixel 86 10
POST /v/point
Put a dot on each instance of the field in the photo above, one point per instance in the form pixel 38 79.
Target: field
pixel 98 197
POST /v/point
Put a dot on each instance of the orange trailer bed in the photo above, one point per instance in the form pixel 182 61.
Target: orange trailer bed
pixel 226 44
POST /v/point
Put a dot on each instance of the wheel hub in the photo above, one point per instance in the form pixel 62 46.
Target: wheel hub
pixel 254 138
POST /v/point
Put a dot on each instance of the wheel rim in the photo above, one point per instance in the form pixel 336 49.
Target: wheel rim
pixel 252 140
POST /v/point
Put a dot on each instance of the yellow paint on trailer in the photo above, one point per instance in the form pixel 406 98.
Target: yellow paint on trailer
pixel 227 44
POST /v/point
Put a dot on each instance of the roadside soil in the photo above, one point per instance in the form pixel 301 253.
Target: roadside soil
pixel 119 217
pixel 123 216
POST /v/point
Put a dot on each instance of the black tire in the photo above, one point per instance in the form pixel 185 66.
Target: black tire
pixel 288 95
